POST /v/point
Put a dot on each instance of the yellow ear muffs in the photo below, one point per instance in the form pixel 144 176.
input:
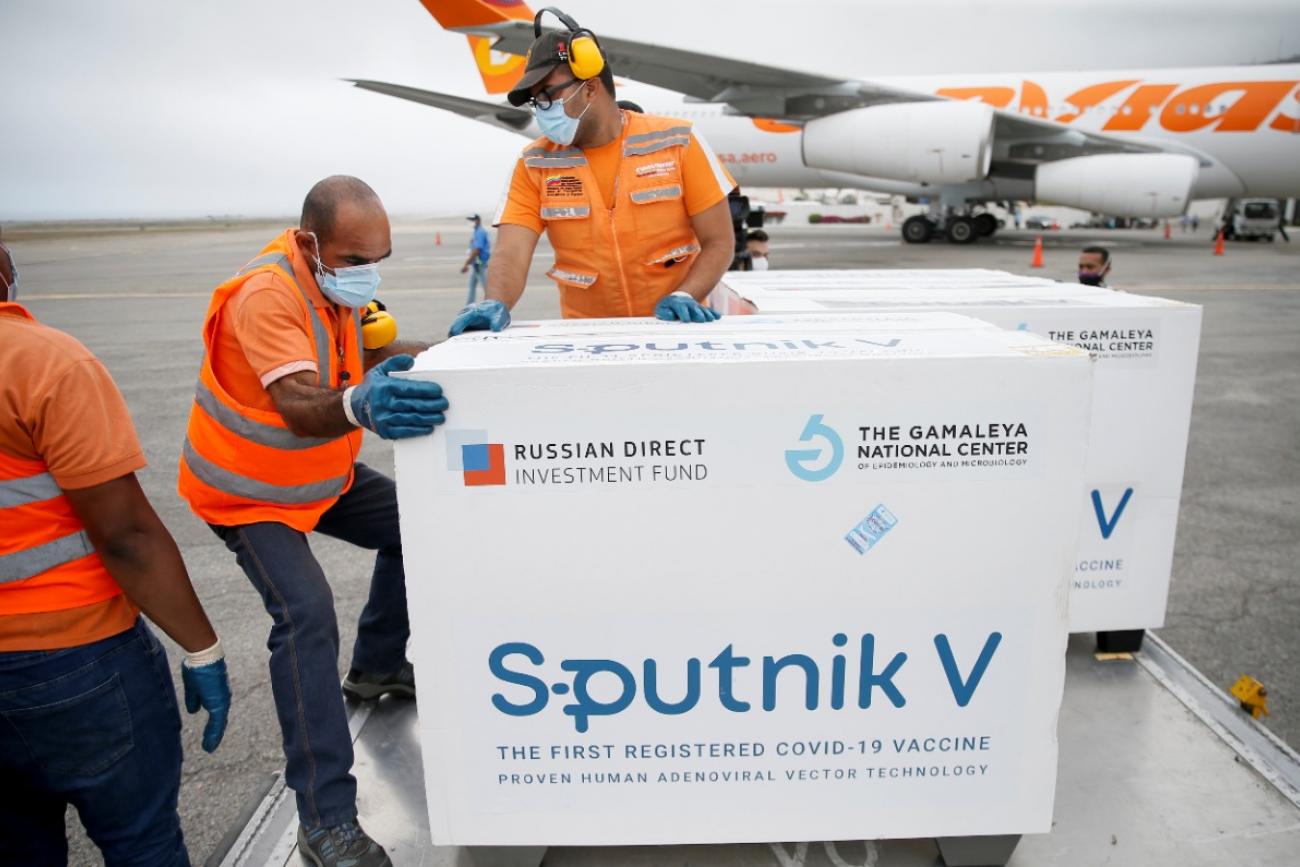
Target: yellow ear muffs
pixel 378 327
pixel 585 59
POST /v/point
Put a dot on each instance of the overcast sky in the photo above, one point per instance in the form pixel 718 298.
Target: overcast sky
pixel 172 108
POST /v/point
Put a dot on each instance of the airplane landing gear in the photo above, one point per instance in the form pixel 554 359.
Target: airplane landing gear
pixel 960 227
pixel 918 230
pixel 961 230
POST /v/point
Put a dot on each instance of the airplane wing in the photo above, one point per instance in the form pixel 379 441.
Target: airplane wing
pixel 758 90
pixel 500 115
pixel 750 88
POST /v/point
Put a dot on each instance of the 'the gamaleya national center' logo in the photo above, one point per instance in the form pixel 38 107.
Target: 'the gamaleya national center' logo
pixel 804 463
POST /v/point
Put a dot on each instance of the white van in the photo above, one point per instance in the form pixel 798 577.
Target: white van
pixel 1254 219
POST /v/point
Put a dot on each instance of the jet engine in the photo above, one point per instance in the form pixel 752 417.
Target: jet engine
pixel 941 142
pixel 1122 185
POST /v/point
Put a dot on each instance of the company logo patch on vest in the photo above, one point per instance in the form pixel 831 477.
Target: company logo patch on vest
pixel 563 186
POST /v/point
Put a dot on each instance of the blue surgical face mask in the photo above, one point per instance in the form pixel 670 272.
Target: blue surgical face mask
pixel 354 286
pixel 556 125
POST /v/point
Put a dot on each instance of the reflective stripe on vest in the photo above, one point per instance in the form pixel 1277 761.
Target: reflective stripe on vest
pixel 253 431
pixel 541 158
pixel 242 486
pixel 566 213
pixel 676 253
pixel 30 489
pixel 643 196
pixel 31 562
pixel 658 145
pixel 572 277
pixel 659 133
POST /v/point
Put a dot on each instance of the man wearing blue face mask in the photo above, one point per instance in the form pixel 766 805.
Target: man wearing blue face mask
pixel 634 205
pixel 270 456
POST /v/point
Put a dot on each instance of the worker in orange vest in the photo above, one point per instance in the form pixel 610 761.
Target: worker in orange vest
pixel 270 455
pixel 88 712
pixel 635 205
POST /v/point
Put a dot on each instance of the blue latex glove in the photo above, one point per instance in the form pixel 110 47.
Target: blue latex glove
pixel 683 308
pixel 208 687
pixel 486 314
pixel 398 408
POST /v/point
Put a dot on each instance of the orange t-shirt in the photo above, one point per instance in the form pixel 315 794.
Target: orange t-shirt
pixel 263 337
pixel 59 405
pixel 704 182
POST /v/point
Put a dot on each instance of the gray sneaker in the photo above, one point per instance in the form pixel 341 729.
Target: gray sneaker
pixel 365 686
pixel 343 845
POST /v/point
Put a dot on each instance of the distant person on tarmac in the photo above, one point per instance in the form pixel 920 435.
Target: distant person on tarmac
pixel 480 250
pixel 270 455
pixel 1094 266
pixel 756 246
pixel 88 713
pixel 634 205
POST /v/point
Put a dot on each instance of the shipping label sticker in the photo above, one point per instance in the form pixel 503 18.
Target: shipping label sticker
pixel 871 529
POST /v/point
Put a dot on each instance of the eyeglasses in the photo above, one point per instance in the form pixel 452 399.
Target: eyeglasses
pixel 547 96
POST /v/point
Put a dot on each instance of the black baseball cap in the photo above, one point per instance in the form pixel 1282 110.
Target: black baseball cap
pixel 547 52
pixel 472 217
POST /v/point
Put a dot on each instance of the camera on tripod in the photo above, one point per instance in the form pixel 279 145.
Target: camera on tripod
pixel 743 218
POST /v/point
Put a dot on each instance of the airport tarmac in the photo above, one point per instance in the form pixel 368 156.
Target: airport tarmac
pixel 136 297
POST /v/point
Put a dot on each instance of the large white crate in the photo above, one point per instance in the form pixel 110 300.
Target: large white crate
pixel 652 585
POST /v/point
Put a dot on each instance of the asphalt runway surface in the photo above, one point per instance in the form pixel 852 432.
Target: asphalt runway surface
pixel 136 297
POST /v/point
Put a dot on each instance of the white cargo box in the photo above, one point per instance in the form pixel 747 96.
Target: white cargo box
pixel 1146 350
pixel 657 596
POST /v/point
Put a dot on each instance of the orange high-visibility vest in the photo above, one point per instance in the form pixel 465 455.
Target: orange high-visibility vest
pixel 46 560
pixel 617 258
pixel 242 465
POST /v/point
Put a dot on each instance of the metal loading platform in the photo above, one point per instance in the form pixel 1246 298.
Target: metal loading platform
pixel 1157 767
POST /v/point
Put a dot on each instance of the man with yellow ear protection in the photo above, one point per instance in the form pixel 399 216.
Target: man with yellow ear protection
pixel 635 205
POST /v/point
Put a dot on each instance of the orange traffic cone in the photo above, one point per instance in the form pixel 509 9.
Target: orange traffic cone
pixel 1168 235
pixel 1218 243
pixel 1037 261
pixel 437 239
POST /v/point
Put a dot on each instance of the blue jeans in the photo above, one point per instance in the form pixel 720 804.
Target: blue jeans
pixel 477 277
pixel 95 726
pixel 304 640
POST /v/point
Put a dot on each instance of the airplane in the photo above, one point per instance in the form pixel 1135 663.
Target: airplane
pixel 1134 143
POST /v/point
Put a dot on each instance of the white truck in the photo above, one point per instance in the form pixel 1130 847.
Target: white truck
pixel 1252 219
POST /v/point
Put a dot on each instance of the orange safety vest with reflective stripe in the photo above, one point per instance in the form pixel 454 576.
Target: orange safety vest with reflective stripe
pixel 617 258
pixel 241 464
pixel 46 560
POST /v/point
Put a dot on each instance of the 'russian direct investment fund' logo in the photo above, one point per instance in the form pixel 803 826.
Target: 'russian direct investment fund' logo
pixel 480 462
pixel 802 462
pixel 484 463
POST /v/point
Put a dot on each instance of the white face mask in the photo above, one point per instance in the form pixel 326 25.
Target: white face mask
pixel 758 263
